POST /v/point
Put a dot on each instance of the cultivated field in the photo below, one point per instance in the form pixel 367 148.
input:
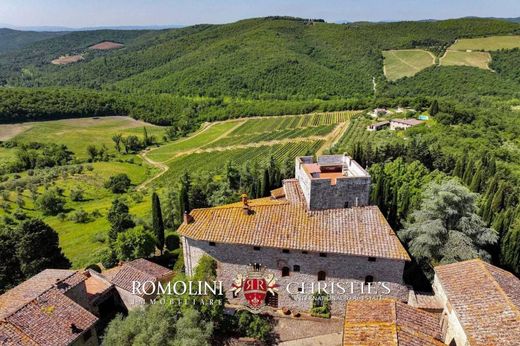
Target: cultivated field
pixel 107 45
pixel 67 59
pixel 241 140
pixel 487 43
pixel 77 134
pixel 462 58
pixel 406 62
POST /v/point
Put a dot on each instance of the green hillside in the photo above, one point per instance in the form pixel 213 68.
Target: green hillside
pixel 266 57
pixel 13 39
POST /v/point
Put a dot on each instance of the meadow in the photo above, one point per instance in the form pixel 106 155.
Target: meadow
pixel 489 43
pixel 77 134
pixel 463 58
pixel 406 62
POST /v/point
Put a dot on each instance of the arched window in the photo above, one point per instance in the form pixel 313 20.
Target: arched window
pixel 321 276
pixel 369 278
pixel 285 271
pixel 296 268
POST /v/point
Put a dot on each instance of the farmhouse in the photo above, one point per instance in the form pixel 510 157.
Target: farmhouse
pixel 396 124
pixel 317 229
pixel 378 126
pixel 68 304
pixel 475 304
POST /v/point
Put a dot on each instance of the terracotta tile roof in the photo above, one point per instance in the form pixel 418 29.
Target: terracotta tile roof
pixel 411 122
pixel 425 301
pixel 486 301
pixel 10 335
pixel 360 231
pixel 278 193
pixel 96 285
pixel 389 322
pixel 138 270
pixel 49 319
pixel 20 295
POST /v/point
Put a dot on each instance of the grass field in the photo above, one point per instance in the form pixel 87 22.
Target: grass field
pixel 487 43
pixel 77 134
pixel 406 63
pixel 463 58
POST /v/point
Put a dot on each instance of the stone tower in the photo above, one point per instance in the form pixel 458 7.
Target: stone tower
pixel 334 181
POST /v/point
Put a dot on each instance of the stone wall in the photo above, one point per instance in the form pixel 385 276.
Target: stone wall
pixel 321 193
pixel 234 259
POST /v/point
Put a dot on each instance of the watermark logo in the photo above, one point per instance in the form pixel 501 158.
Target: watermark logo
pixel 255 284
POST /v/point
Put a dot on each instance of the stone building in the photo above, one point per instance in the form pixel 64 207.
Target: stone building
pixel 317 229
pixel 481 304
pixel 67 307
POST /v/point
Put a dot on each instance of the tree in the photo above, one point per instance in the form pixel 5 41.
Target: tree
pixel 157 222
pixel 50 202
pixel 446 228
pixel 434 108
pixel 134 243
pixel 76 194
pixel 119 183
pixel 10 272
pixel 92 153
pixel 38 248
pixel 119 218
pixel 184 194
pixel 266 184
pixel 117 139
pixel 132 144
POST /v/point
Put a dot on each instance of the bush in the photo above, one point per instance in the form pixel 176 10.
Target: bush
pixel 172 241
pixel 320 305
pixel 253 325
pixel 119 183
pixel 94 267
pixel 76 194
pixel 134 243
pixel 51 202
pixel 80 216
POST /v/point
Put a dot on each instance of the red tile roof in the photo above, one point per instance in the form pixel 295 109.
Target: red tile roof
pixel 360 231
pixel 486 301
pixel 10 335
pixel 138 270
pixel 49 319
pixel 28 290
pixel 389 322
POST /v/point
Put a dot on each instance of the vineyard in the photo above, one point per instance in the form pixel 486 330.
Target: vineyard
pixel 214 160
pixel 242 140
pixel 356 131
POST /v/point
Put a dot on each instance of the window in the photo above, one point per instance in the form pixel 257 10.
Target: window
pixel 346 205
pixel 323 254
pixel 285 271
pixel 212 243
pixel 369 279
pixel 296 268
pixel 256 248
pixel 321 276
pixel 285 251
pixel 371 259
pixel 305 252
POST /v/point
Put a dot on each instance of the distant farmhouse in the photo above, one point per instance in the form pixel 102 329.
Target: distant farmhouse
pixel 475 304
pixel 317 228
pixel 64 307
pixel 378 126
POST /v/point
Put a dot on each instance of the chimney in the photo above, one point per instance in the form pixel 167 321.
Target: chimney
pixel 187 218
pixel 74 329
pixel 246 209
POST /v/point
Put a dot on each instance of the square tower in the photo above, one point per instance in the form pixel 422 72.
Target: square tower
pixel 334 181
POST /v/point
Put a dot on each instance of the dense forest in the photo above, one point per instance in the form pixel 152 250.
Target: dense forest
pixel 255 58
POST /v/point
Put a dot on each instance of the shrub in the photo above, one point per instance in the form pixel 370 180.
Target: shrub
pixel 51 202
pixel 80 216
pixel 320 305
pixel 119 183
pixel 76 194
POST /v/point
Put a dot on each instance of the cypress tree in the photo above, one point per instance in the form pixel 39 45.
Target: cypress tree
pixel 157 222
pixel 434 108
pixel 265 188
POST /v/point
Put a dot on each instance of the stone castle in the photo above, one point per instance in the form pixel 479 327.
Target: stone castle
pixel 317 229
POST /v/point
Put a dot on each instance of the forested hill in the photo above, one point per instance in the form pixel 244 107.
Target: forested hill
pixel 14 39
pixel 263 57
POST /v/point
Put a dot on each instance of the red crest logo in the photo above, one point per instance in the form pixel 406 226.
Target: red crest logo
pixel 255 285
